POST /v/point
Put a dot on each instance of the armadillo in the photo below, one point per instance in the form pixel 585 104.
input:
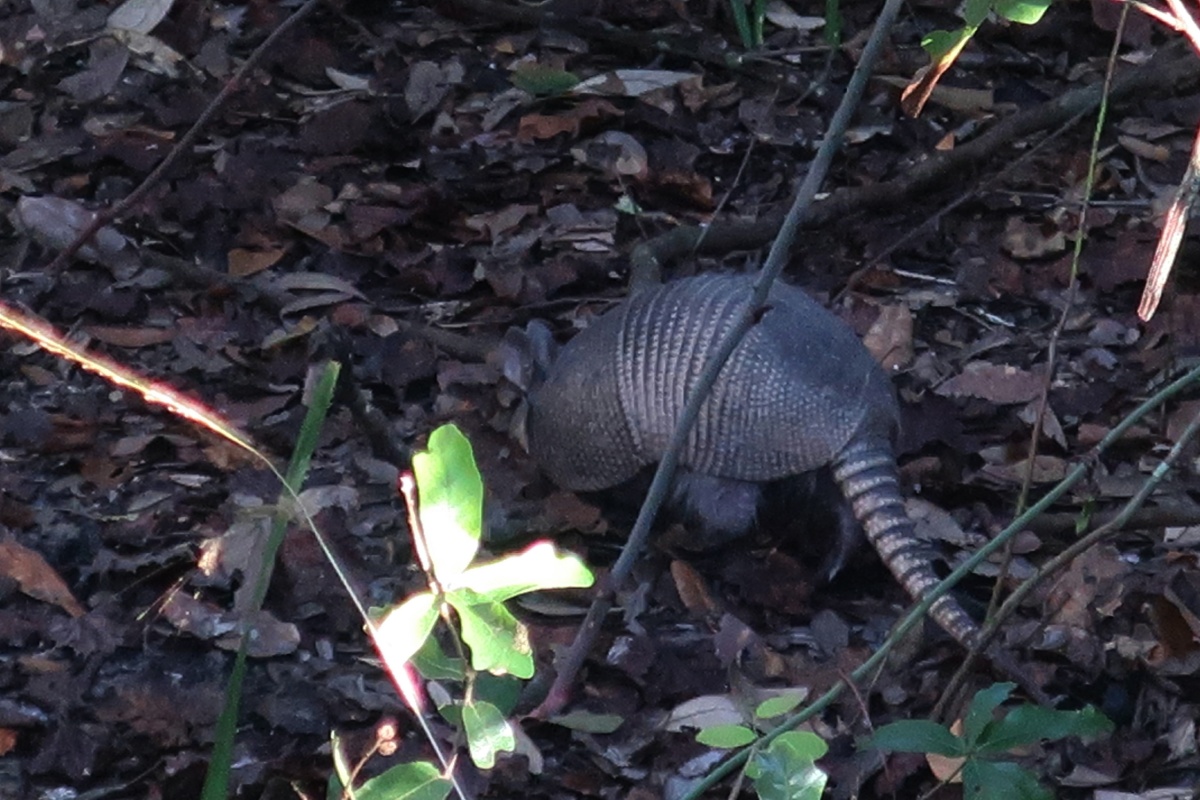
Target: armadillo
pixel 799 393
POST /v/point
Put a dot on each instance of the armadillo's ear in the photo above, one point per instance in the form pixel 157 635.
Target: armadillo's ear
pixel 525 357
pixel 543 347
pixel 526 354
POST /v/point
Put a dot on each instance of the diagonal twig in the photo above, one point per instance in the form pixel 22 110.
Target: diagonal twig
pixel 1171 69
pixel 184 144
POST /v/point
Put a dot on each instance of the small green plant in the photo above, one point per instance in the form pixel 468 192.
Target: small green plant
pixel 543 81
pixel 418 781
pixel 940 44
pixel 785 767
pixel 749 23
pixel 446 519
pixel 833 23
pixel 944 46
pixel 986 737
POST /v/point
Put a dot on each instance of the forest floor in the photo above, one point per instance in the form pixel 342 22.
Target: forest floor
pixel 384 165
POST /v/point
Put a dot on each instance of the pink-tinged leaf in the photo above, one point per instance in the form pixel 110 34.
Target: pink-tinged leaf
pixel 399 635
pixel 450 498
pixel 540 566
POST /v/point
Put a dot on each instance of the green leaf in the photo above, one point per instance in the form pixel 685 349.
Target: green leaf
pixel 404 629
pixel 1025 12
pixel 1027 724
pixel 540 566
pixel 417 781
pixel 726 737
pixel 785 769
pixel 1083 522
pixel 319 401
pixel 1000 780
pixel 939 43
pixel 488 733
pixel 450 495
pixel 778 706
pixel 498 642
pixel 539 79
pixel 759 15
pixel 588 721
pixel 434 665
pixel 833 23
pixel 342 771
pixel 450 709
pixel 799 745
pixel 742 21
pixel 216 780
pixel 981 714
pixel 975 12
pixel 502 691
pixel 916 736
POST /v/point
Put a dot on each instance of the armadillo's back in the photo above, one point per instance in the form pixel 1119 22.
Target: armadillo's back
pixel 799 387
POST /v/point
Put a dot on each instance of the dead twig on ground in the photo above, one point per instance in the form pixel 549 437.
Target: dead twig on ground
pixel 1171 69
pixel 185 143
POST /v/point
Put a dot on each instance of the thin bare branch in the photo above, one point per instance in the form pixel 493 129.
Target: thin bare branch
pixel 185 142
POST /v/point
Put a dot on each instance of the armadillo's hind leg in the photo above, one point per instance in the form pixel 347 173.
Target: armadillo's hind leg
pixel 721 509
pixel 866 472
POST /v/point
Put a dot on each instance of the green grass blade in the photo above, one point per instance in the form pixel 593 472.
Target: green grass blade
pixel 216 781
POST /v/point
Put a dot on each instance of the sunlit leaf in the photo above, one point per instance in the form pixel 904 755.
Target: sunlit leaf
pixel 498 642
pixel 778 706
pixel 1026 12
pixel 488 733
pixel 785 770
pixel 540 566
pixel 450 493
pixel 799 745
pixel 405 628
pixel 417 781
pixel 939 43
pixel 726 737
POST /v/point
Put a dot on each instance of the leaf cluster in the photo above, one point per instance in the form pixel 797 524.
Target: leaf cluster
pixel 986 736
pixel 469 598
